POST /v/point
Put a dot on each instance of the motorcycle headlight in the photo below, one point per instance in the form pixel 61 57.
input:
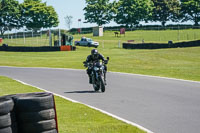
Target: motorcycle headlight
pixel 96 68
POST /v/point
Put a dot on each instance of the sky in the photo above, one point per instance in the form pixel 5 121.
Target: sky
pixel 72 8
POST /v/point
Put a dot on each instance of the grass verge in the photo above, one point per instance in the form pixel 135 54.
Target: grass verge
pixel 181 63
pixel 73 117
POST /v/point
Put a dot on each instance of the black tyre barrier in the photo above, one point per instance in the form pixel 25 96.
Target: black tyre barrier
pixel 31 49
pixel 14 127
pixel 50 131
pixel 13 117
pixel 35 102
pixel 6 105
pixel 161 45
pixel 36 116
pixel 28 113
pixel 37 127
pixel 5 120
pixel 6 130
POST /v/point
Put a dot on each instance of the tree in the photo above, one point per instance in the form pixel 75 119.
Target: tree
pixel 97 11
pixel 38 15
pixel 9 15
pixel 165 10
pixel 68 21
pixel 131 12
pixel 190 10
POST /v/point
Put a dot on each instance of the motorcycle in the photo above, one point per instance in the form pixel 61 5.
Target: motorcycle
pixel 98 74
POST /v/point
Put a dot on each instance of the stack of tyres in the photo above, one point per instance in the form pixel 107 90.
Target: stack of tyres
pixel 8 122
pixel 35 113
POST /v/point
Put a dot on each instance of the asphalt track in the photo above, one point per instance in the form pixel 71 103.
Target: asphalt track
pixel 161 105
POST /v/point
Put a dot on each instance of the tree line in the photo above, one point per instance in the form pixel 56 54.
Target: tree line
pixel 131 12
pixel 31 14
pixel 35 14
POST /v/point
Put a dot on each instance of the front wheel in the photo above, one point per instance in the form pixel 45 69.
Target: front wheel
pixel 95 85
pixel 102 84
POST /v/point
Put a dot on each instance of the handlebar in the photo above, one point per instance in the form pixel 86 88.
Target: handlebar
pixel 86 64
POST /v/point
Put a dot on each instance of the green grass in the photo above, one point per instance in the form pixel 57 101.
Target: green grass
pixel 111 41
pixel 73 117
pixel 182 63
pixel 148 36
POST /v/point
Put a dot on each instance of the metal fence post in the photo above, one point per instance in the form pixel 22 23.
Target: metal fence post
pixel 119 44
pixel 50 39
pixel 24 37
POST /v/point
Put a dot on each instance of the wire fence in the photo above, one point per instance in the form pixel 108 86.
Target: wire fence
pixel 24 37
pixel 52 37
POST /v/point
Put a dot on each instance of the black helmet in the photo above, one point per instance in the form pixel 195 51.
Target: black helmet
pixel 94 54
pixel 94 51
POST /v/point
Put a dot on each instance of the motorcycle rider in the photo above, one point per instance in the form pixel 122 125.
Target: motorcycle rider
pixel 94 57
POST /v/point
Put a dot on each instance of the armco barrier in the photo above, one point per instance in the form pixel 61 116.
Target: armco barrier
pixel 28 113
pixel 161 45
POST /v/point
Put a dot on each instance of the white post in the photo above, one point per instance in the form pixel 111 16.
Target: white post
pixel 59 37
pixel 16 36
pixel 37 40
pixel 119 44
pixel 11 39
pixel 8 37
pixel 24 37
pixel 178 33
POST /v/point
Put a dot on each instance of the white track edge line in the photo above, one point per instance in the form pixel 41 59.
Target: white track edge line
pixel 107 113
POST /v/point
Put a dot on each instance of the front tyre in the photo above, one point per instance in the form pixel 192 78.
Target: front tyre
pixel 102 85
pixel 95 85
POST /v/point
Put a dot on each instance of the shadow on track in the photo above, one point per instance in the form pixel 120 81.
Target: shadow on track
pixel 83 92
